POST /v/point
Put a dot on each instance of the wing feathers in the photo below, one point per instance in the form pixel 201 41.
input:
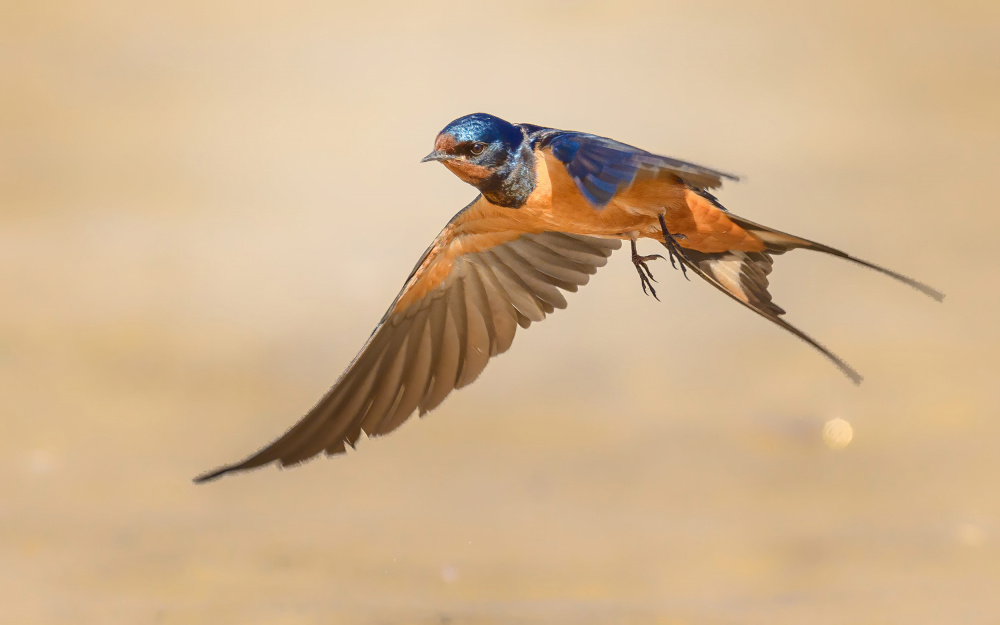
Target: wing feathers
pixel 389 379
pixel 442 340
pixel 499 309
pixel 415 377
pixel 602 167
pixel 357 400
pixel 447 359
pixel 538 283
pixel 573 248
pixel 568 272
pixel 477 345
pixel 519 294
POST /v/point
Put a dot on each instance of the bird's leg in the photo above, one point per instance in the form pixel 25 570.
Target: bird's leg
pixel 674 250
pixel 645 275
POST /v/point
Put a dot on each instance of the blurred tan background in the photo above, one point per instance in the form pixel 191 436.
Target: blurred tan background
pixel 205 207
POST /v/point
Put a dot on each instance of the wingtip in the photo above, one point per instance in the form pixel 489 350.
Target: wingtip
pixel 213 475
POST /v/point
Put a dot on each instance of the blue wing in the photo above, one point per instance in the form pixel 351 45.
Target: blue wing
pixel 603 167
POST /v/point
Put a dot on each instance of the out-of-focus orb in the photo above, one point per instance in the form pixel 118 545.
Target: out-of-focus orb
pixel 40 462
pixel 970 534
pixel 449 573
pixel 837 433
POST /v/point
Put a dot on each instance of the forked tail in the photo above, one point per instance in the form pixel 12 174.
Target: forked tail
pixel 778 242
pixel 743 277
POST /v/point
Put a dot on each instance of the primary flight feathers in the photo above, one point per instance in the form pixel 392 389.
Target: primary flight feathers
pixel 442 341
pixel 553 207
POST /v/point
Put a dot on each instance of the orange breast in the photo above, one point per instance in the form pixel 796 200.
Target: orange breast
pixel 556 204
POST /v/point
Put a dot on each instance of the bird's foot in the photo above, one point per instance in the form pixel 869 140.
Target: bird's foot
pixel 674 250
pixel 645 275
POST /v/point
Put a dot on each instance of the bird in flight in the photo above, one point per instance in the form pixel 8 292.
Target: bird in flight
pixel 553 206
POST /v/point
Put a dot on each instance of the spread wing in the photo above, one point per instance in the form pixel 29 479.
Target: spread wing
pixel 603 167
pixel 459 308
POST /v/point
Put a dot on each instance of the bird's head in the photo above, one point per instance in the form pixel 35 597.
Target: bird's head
pixel 478 148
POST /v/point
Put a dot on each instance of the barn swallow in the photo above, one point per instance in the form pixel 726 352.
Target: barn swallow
pixel 553 206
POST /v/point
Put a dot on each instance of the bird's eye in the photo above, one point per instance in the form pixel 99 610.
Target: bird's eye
pixel 477 148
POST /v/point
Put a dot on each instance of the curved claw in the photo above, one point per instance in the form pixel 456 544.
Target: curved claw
pixel 645 274
pixel 646 283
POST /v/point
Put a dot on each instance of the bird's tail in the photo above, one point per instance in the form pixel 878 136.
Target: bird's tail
pixel 743 277
pixel 778 242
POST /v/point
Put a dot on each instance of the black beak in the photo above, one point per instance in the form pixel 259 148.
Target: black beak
pixel 437 155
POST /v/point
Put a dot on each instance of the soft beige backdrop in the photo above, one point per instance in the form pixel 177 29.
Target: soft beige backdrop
pixel 205 207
